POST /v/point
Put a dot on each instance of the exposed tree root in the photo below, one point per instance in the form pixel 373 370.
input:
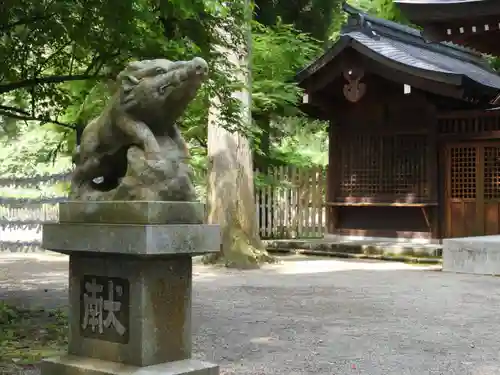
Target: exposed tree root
pixel 240 254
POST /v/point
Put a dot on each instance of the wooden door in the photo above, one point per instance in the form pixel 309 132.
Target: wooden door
pixel 491 188
pixel 472 189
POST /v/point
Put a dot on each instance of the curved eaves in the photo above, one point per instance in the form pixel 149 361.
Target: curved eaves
pixel 409 59
pixel 324 59
pixel 422 62
pixel 382 54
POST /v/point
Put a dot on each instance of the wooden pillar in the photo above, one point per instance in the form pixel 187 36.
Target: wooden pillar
pixel 332 178
pixel 436 191
pixel 480 227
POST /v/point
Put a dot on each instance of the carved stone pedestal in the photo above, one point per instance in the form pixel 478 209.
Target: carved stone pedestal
pixel 130 286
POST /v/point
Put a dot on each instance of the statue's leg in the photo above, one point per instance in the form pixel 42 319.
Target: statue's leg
pixel 180 142
pixel 139 134
pixel 84 173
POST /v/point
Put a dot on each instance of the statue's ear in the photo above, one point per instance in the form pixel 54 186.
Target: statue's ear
pixel 128 82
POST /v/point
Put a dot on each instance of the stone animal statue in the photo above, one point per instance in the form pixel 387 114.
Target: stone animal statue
pixel 134 150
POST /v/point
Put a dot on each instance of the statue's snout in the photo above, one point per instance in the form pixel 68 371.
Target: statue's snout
pixel 199 66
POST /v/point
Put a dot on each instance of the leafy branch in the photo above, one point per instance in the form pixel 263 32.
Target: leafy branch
pixel 44 80
pixel 25 21
pixel 20 114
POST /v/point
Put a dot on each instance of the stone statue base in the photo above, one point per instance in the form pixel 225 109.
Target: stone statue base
pixel 73 365
pixel 130 280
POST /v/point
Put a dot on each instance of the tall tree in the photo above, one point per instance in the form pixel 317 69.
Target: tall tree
pixel 231 199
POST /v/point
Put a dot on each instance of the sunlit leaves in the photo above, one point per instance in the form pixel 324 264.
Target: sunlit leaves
pixel 311 16
pixel 67 38
pixel 278 53
pixel 31 151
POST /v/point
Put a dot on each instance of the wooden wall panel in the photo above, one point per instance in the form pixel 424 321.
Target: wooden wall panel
pixel 462 219
pixel 491 220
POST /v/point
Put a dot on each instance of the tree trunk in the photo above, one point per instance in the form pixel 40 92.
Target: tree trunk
pixel 231 200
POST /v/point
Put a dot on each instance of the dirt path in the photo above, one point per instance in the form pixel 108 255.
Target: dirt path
pixel 320 316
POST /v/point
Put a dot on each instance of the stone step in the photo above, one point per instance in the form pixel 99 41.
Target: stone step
pixel 355 248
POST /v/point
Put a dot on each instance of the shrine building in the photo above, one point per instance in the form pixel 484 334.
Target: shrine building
pixel 414 144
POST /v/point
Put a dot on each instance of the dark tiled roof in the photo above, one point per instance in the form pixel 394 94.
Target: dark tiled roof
pixel 404 49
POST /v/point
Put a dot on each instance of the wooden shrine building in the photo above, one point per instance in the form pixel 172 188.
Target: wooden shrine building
pixel 472 23
pixel 414 150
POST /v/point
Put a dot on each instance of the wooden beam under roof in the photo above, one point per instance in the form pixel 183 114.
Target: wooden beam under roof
pixel 472 23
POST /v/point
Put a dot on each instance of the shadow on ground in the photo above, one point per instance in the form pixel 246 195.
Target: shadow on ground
pixel 34 280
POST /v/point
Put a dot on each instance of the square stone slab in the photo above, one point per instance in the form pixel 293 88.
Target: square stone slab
pixel 128 239
pixel 74 365
pixel 477 255
pixel 132 212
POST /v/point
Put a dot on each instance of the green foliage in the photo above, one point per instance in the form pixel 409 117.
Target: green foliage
pixel 7 314
pixel 300 142
pixel 56 52
pixel 277 54
pixel 50 43
pixel 33 151
pixel 62 57
pixel 199 167
pixel 381 8
pixel 494 62
pixel 311 16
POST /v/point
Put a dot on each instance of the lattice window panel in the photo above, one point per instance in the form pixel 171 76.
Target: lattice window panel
pixel 391 166
pixel 463 172
pixel 360 166
pixel 492 172
pixel 410 166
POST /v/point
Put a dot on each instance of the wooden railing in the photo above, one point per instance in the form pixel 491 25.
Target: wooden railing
pixel 292 203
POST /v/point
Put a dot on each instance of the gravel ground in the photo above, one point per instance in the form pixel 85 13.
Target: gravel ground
pixel 319 316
